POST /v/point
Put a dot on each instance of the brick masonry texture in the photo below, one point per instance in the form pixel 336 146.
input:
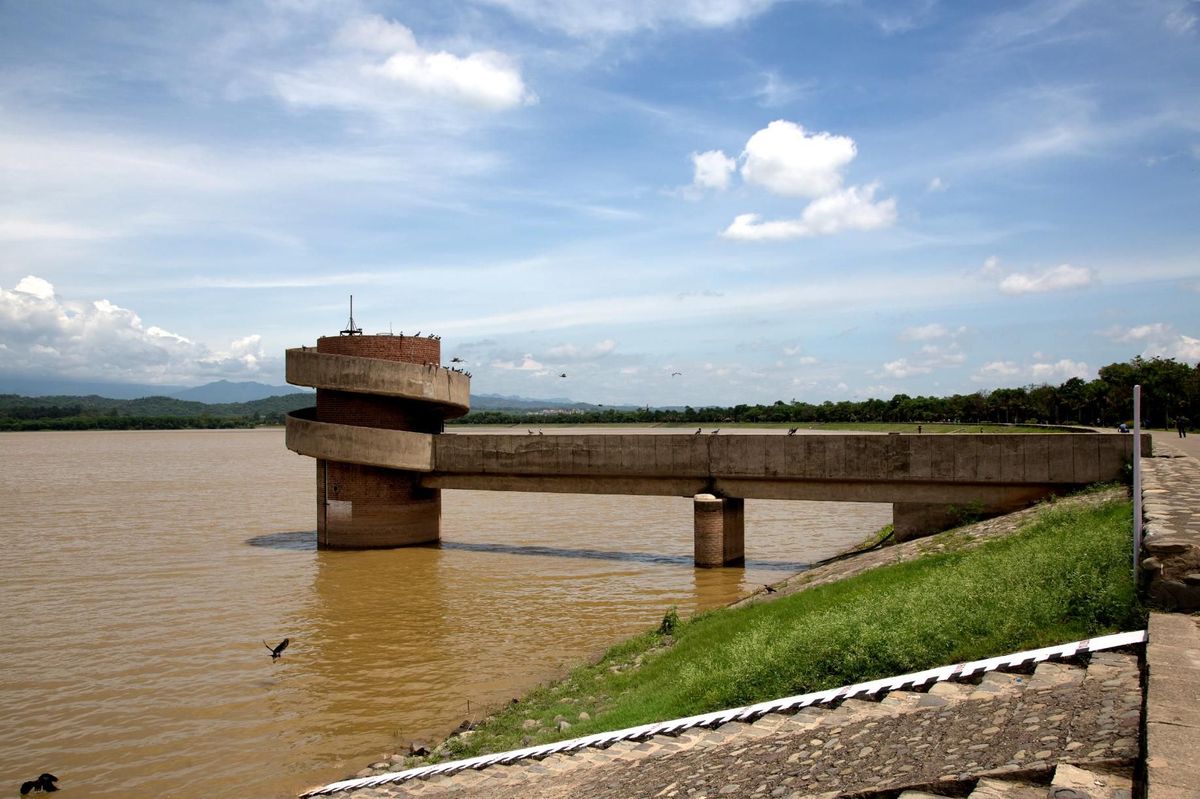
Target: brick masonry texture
pixel 409 349
pixel 364 410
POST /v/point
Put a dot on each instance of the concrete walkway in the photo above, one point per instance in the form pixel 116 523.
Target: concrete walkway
pixel 1171 491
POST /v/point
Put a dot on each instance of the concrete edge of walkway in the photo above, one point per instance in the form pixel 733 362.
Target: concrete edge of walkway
pixel 1172 714
pixel 749 712
pixel 1172 681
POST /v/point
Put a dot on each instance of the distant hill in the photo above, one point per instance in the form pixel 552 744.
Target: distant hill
pixel 72 412
pixel 501 402
pixel 221 391
pixel 57 387
pixel 225 391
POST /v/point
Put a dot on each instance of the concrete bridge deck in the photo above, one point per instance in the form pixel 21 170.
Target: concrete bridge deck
pixel 377 433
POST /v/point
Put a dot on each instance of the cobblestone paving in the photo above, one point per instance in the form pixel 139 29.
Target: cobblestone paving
pixel 987 736
pixel 1171 548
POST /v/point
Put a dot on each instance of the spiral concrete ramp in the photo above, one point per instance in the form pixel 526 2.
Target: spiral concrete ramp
pixel 380 401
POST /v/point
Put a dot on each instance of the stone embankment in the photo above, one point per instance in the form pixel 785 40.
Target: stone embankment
pixel 1064 725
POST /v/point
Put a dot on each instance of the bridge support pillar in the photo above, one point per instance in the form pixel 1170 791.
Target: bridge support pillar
pixel 720 530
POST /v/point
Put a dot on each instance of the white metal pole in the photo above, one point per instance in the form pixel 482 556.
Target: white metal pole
pixel 1137 479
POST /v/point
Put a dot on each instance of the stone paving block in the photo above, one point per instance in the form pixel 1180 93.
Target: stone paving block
pixel 997 682
pixel 902 699
pixel 991 788
pixel 1049 673
pixel 1091 784
pixel 951 690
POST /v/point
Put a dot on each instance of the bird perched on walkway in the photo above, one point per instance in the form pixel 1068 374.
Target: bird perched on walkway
pixel 43 783
pixel 698 431
pixel 770 589
pixel 277 651
pixel 792 431
pixel 716 431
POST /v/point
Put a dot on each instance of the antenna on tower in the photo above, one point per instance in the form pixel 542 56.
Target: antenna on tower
pixel 351 330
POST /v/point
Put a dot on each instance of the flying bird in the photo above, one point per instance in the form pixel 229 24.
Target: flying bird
pixel 456 359
pixel 673 374
pixel 43 783
pixel 277 651
pixel 564 374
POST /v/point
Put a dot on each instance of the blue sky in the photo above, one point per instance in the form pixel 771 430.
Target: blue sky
pixel 809 200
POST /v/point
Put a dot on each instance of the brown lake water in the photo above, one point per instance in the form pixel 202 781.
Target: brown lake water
pixel 143 570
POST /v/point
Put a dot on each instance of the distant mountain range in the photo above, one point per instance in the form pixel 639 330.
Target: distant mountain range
pixel 219 392
pixel 225 391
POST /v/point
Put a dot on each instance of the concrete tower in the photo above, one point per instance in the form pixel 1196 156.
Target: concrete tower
pixel 380 401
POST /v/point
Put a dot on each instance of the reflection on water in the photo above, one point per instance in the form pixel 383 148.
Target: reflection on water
pixel 144 571
pixel 299 540
pixel 685 561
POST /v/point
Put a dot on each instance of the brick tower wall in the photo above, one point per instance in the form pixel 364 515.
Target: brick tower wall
pixel 408 349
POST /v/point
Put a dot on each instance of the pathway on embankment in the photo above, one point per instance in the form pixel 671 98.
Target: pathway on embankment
pixel 1172 563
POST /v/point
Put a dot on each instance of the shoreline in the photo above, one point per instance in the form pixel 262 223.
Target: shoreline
pixel 834 569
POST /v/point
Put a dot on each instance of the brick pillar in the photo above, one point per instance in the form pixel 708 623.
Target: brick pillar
pixel 720 531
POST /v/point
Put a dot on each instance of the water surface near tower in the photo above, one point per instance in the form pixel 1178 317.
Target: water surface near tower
pixel 143 570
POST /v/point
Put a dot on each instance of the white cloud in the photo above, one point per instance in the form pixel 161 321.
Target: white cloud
pixel 1038 372
pixel 1060 278
pixel 785 160
pixel 901 368
pixel 712 170
pixel 775 91
pixel 37 229
pixel 997 369
pixel 571 352
pixel 1155 331
pixel 586 17
pixel 853 208
pixel 378 66
pixel 1059 371
pixel 1159 340
pixel 929 332
pixel 935 185
pixel 526 364
pixel 45 334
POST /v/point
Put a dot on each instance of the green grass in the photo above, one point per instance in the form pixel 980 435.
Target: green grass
pixel 1065 576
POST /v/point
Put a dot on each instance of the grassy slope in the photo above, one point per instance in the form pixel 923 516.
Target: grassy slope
pixel 1066 576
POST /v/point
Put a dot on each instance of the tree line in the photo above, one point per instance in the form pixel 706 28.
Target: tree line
pixel 147 413
pixel 1170 389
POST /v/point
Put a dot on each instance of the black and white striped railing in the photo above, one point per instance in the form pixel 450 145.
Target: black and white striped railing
pixel 749 712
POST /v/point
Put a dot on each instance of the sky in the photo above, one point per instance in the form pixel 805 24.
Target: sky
pixel 669 201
